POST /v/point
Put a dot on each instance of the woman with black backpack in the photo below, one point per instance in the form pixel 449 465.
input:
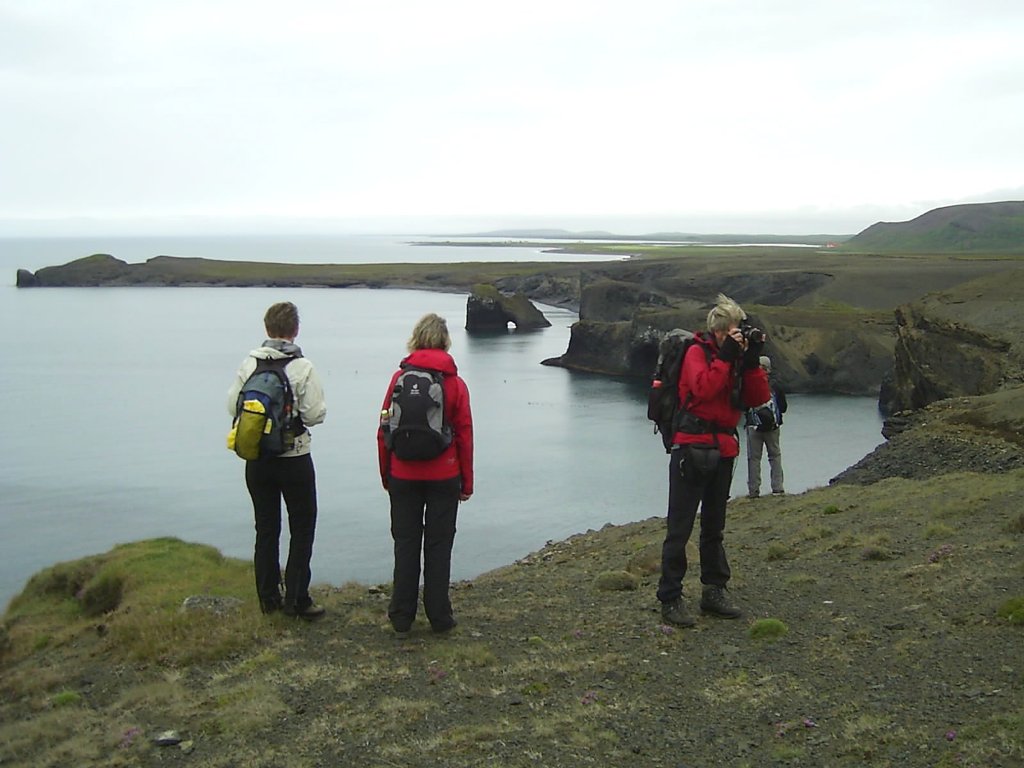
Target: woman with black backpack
pixel 425 451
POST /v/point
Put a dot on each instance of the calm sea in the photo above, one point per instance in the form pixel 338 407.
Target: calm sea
pixel 116 416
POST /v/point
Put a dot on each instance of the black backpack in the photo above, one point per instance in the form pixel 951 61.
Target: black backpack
pixel 416 427
pixel 663 404
pixel 265 424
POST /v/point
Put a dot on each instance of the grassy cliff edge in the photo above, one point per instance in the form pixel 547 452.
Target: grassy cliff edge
pixel 884 627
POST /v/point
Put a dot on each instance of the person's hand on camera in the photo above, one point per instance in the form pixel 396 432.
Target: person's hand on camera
pixel 732 346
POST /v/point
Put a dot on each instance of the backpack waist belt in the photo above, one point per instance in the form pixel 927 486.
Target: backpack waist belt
pixel 694 425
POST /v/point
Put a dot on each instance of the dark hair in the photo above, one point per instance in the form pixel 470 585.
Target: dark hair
pixel 282 320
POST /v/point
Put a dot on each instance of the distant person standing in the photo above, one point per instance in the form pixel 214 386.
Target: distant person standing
pixel 765 434
pixel 288 474
pixel 425 452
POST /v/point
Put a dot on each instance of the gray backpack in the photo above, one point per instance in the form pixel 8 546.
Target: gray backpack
pixel 417 429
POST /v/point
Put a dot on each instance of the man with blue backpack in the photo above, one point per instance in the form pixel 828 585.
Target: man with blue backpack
pixel 763 433
pixel 275 397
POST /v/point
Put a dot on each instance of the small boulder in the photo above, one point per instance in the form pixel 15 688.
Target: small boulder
pixel 214 604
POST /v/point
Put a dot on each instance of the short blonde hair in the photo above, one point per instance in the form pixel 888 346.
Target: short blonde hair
pixel 724 314
pixel 431 332
pixel 282 320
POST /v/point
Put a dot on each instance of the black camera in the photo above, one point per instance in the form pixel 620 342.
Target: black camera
pixel 751 334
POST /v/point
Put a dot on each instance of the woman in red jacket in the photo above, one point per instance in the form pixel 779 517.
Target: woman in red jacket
pixel 425 492
pixel 721 375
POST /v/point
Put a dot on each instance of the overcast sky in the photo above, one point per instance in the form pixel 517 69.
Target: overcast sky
pixel 697 116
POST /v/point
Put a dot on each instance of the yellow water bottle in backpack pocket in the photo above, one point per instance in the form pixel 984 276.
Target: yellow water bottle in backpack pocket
pixel 248 430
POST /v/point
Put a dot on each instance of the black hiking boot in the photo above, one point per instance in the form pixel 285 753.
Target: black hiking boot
pixel 715 600
pixel 310 612
pixel 674 612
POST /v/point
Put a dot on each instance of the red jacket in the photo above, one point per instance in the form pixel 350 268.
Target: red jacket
pixel 457 459
pixel 709 389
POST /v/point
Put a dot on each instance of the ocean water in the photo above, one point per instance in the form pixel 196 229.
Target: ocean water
pixel 117 416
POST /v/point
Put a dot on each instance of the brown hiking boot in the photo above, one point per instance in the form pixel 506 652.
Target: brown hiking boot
pixel 715 600
pixel 674 612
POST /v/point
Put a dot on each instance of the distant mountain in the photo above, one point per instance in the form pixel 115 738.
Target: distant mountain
pixel 971 228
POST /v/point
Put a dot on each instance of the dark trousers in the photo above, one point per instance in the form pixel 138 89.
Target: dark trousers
pixel 711 495
pixel 269 480
pixel 423 516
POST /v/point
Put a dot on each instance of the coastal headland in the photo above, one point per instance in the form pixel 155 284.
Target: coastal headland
pixel 829 314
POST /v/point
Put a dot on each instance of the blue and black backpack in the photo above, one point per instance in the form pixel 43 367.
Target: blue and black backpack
pixel 265 422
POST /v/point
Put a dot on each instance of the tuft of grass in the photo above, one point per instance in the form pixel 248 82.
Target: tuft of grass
pixel 265 659
pixel 1016 525
pixel 461 737
pixel 875 554
pixel 777 552
pixel 938 531
pixel 767 629
pixel 1012 610
pixel 646 561
pixel 468 654
pixel 616 581
pixel 816 532
pixel 536 688
pixel 831 509
pixel 65 698
pixel 102 594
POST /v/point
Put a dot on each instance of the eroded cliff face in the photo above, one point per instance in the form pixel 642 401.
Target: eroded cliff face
pixel 838 351
pixel 960 342
pixel 487 309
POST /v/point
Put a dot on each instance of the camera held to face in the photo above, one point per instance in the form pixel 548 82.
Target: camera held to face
pixel 751 334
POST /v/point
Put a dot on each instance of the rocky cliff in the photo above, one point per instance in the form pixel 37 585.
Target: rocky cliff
pixel 842 350
pixel 487 309
pixel 966 340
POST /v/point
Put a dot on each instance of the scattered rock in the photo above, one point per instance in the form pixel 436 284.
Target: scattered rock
pixel 214 604
pixel 167 739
